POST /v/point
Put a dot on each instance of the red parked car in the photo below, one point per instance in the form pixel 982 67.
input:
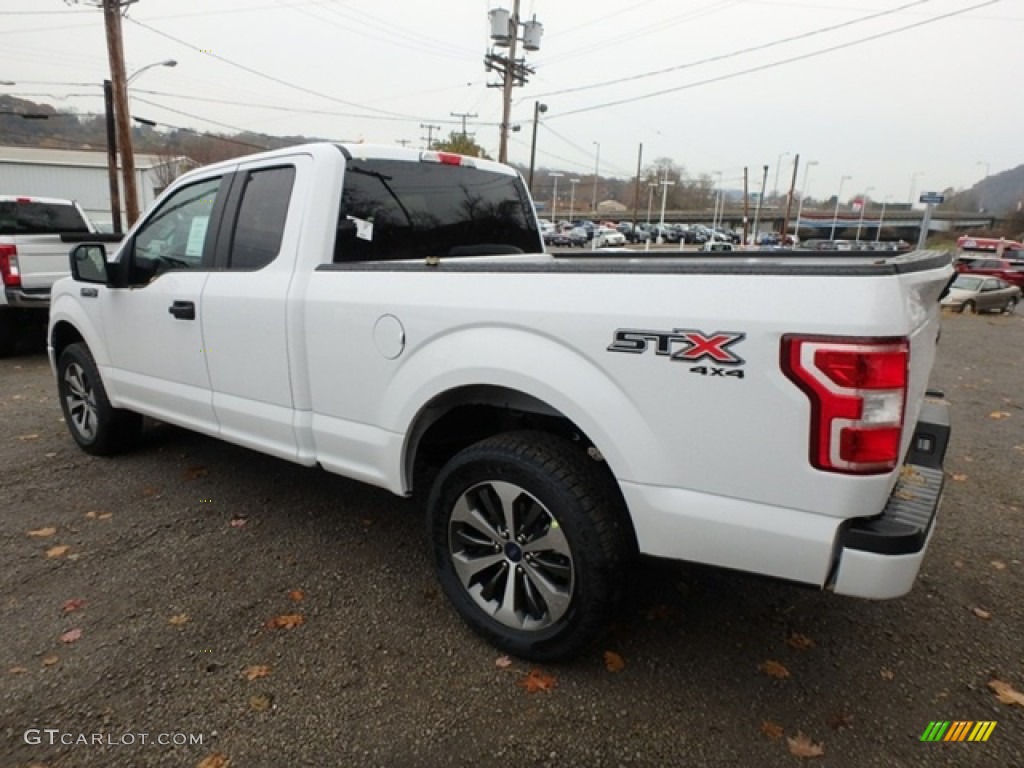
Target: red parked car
pixel 1010 270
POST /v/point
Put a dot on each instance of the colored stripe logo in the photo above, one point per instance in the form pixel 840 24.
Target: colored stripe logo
pixel 958 730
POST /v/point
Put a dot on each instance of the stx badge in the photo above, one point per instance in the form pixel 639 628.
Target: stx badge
pixel 680 344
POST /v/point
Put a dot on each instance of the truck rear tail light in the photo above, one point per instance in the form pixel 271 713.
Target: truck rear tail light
pixel 858 390
pixel 447 158
pixel 9 272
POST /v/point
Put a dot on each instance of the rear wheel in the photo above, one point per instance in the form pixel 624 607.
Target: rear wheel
pixel 1011 305
pixel 969 306
pixel 97 427
pixel 530 543
pixel 8 331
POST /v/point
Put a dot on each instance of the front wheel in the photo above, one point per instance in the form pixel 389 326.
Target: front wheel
pixel 1011 305
pixel 969 306
pixel 97 427
pixel 530 542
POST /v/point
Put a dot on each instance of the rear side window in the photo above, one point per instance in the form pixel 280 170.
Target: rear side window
pixel 30 218
pixel 259 227
pixel 397 209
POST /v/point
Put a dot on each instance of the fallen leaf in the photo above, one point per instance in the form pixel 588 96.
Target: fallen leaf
pixel 999 565
pixel 772 730
pixel 178 620
pixel 96 515
pixel 17 670
pixel 42 533
pixel 256 672
pixel 958 564
pixel 958 477
pixel 285 621
pixel 297 595
pixel 238 522
pixel 904 494
pixel 613 662
pixel 259 703
pixel 997 415
pixel 503 662
pixel 25 438
pixel 74 604
pixel 216 760
pixel 150 491
pixel 660 612
pixel 536 680
pixel 841 721
pixel 71 636
pixel 981 613
pixel 802 746
pixel 194 473
pixel 59 551
pixel 800 642
pixel 887 674
pixel 1006 693
pixel 49 661
pixel 774 669
pixel 50 455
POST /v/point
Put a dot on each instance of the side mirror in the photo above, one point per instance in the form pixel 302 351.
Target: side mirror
pixel 89 263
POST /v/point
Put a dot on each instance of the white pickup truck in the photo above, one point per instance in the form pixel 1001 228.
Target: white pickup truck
pixel 390 315
pixel 34 232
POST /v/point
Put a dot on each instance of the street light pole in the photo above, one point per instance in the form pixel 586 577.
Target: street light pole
pixel 597 166
pixel 554 195
pixel 863 205
pixel 803 191
pixel 913 185
pixel 572 197
pixel 719 201
pixel 664 191
pixel 835 213
pixel 981 197
pixel 650 199
pixel 778 167
pixel 881 218
pixel 538 110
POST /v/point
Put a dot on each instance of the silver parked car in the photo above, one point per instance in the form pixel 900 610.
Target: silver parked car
pixel 977 293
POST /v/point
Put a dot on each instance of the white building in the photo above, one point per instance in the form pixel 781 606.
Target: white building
pixel 82 176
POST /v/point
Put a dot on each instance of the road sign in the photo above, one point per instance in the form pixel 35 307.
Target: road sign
pixel 932 197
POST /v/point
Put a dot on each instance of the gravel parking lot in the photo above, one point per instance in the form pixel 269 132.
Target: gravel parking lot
pixel 194 591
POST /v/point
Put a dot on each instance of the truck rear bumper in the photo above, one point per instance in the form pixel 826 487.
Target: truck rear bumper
pixel 16 297
pixel 879 557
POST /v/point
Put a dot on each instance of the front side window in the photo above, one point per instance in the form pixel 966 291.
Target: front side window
pixel 259 227
pixel 175 237
pixel 398 209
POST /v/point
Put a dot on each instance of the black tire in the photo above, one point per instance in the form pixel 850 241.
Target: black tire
pixel 1011 305
pixel 97 427
pixel 8 331
pixel 970 307
pixel 566 563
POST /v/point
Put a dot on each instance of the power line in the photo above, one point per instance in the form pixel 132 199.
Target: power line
pixel 774 64
pixel 189 114
pixel 734 54
pixel 265 76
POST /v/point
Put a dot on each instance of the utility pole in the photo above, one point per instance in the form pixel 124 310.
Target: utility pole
pixel 463 116
pixel 757 209
pixel 505 32
pixel 115 53
pixel 430 134
pixel 636 185
pixel 746 204
pixel 538 110
pixel 789 199
pixel 403 142
pixel 115 193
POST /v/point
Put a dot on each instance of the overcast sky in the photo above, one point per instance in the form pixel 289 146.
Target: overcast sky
pixel 927 88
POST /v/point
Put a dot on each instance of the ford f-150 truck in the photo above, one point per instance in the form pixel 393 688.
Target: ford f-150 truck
pixel 34 232
pixel 390 315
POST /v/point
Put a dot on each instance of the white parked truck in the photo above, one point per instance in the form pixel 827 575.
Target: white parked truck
pixel 390 315
pixel 34 232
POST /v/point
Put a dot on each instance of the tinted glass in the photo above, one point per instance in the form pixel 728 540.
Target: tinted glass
pixel 393 209
pixel 39 218
pixel 261 217
pixel 175 236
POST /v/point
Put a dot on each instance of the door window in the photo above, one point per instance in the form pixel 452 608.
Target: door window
pixel 175 237
pixel 259 227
